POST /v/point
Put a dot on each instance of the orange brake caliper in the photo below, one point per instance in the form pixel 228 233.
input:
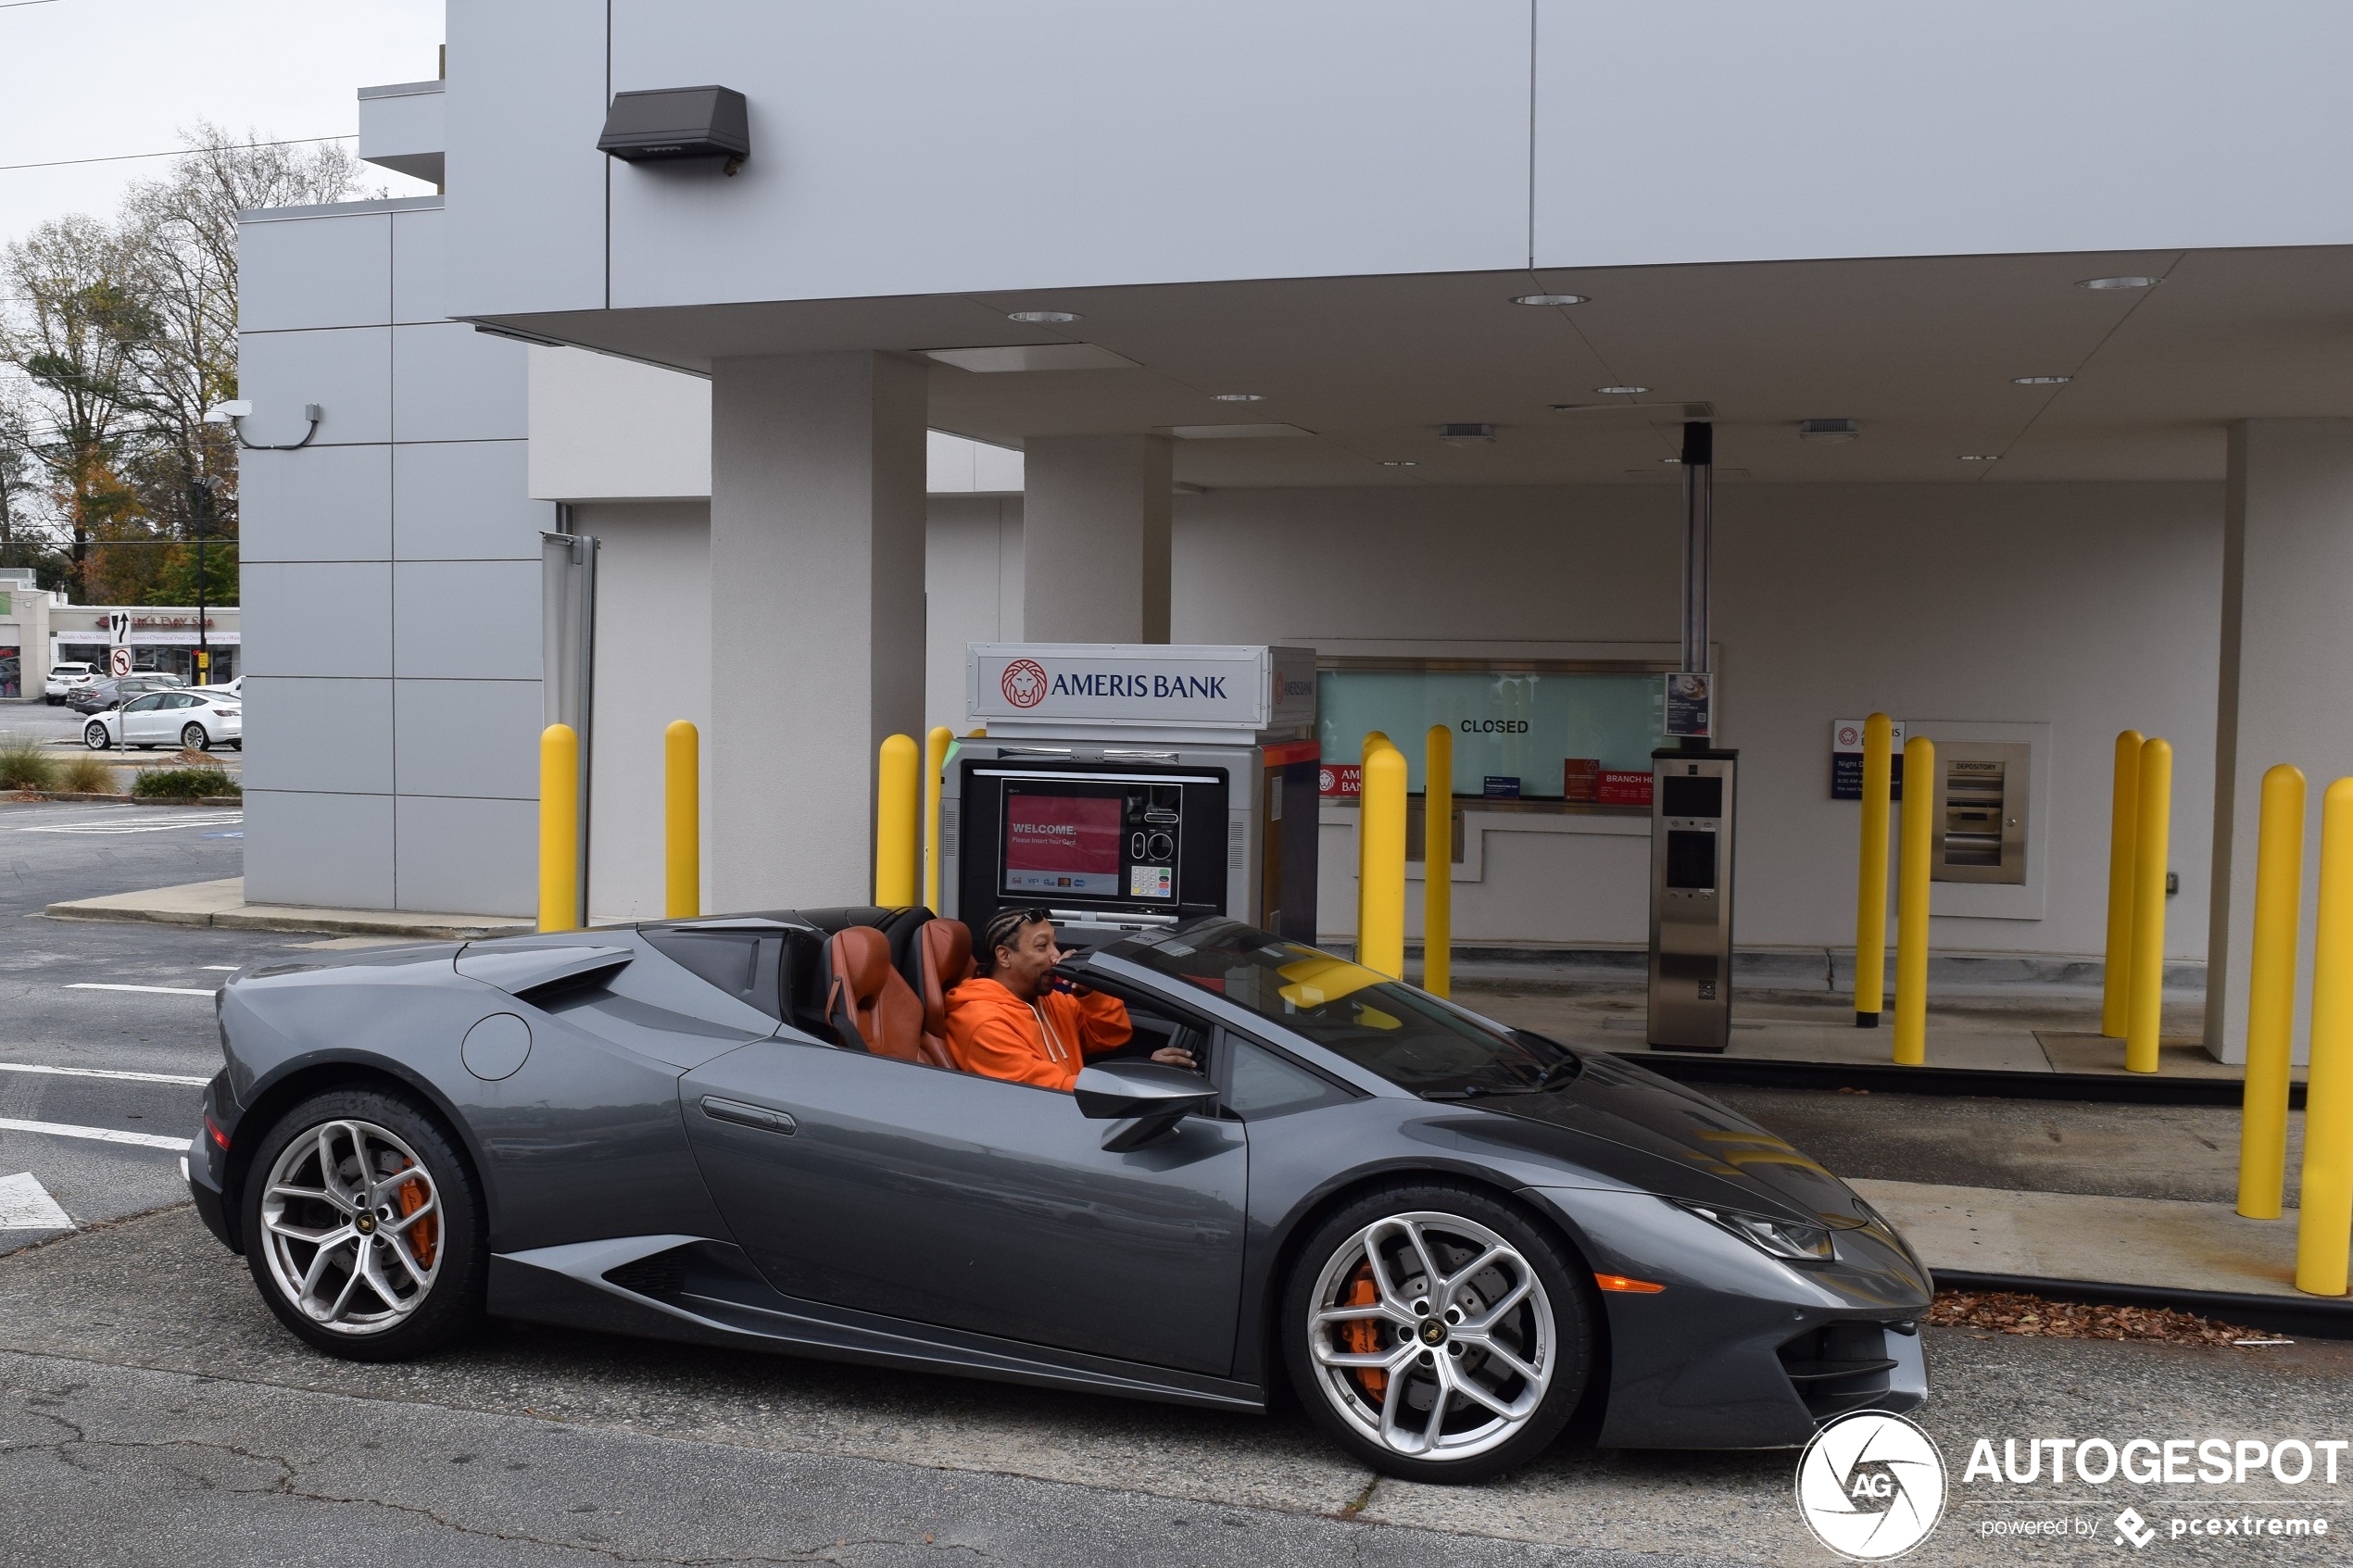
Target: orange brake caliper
pixel 425 1234
pixel 1362 1335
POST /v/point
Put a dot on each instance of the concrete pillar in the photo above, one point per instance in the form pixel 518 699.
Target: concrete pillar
pixel 2287 655
pixel 816 618
pixel 1095 539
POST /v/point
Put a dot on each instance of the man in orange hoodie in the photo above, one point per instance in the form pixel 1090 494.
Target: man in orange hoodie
pixel 1011 1020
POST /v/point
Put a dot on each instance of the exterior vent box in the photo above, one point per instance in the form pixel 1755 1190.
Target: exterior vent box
pixel 676 122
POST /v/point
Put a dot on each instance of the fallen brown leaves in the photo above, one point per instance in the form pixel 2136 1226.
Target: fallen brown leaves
pixel 2009 1312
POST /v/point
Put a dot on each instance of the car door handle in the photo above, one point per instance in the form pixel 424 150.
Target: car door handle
pixel 745 1115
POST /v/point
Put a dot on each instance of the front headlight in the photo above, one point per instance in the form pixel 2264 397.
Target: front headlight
pixel 1792 1241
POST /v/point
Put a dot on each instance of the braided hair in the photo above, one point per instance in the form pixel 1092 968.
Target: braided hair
pixel 1003 929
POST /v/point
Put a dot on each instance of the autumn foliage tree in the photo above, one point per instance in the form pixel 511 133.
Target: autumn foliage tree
pixel 115 338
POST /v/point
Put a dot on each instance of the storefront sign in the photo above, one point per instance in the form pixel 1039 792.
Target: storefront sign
pixel 1241 688
pixel 1688 694
pixel 1623 789
pixel 1846 760
pixel 1340 781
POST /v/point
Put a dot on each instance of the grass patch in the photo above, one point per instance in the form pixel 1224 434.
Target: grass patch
pixel 85 774
pixel 24 765
pixel 183 784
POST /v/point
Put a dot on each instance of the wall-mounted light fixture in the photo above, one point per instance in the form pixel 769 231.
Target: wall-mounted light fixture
pixel 233 414
pixel 672 124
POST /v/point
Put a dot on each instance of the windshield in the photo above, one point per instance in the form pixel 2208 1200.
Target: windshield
pixel 1407 1037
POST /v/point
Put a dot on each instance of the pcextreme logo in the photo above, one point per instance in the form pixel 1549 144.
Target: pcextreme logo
pixel 1871 1487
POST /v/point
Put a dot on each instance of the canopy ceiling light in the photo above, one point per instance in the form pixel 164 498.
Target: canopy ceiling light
pixel 1621 391
pixel 1981 457
pixel 2040 381
pixel 1041 318
pixel 1399 463
pixel 2133 282
pixel 1236 397
pixel 1234 433
pixel 1550 299
pixel 1032 357
pixel 1828 430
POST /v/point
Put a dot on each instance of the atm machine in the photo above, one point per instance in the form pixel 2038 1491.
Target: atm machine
pixel 1128 786
pixel 1692 792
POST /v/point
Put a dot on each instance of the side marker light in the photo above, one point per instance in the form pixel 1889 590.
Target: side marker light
pixel 215 1133
pixel 1630 1287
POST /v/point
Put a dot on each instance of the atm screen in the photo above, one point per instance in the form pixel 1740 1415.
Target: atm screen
pixel 1062 843
pixel 1068 838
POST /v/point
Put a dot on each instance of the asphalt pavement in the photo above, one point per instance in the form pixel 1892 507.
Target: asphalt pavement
pixel 152 1412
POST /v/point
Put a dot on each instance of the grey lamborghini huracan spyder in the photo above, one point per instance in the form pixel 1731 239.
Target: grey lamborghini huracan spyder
pixel 1449 1237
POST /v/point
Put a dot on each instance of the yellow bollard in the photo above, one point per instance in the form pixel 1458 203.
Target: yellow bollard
pixel 2125 799
pixel 898 827
pixel 1374 741
pixel 559 829
pixel 2271 993
pixel 1911 902
pixel 1870 884
pixel 2326 1218
pixel 935 746
pixel 1380 943
pixel 2152 814
pixel 682 821
pixel 1437 861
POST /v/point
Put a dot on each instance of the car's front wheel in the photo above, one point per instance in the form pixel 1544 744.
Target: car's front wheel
pixel 364 1228
pixel 94 736
pixel 193 737
pixel 1437 1331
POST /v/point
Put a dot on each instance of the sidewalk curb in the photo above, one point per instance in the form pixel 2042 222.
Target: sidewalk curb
pixel 292 918
pixel 2316 1317
pixel 29 796
pixel 1887 1078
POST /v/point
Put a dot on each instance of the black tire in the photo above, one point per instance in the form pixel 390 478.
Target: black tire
pixel 451 1301
pixel 94 736
pixel 1562 1298
pixel 202 742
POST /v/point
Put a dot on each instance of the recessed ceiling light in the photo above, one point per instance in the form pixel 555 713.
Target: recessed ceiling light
pixel 1621 391
pixel 2125 282
pixel 2040 381
pixel 1677 461
pixel 1041 318
pixel 1981 457
pixel 1399 463
pixel 1236 397
pixel 1550 299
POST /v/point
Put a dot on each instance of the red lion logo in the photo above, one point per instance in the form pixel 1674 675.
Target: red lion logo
pixel 1025 682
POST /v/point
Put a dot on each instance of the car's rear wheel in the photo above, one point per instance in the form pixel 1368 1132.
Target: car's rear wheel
pixel 193 737
pixel 94 736
pixel 364 1228
pixel 1438 1332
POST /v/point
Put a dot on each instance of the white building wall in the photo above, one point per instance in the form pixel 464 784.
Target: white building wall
pixel 390 575
pixel 1353 137
pixel 2089 608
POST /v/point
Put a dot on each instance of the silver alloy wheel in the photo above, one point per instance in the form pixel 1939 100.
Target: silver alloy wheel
pixel 202 742
pixel 1432 1335
pixel 351 1223
pixel 94 736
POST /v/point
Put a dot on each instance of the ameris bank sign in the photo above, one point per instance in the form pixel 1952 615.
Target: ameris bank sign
pixel 1241 687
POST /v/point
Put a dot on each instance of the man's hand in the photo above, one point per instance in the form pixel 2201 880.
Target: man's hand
pixel 1175 1056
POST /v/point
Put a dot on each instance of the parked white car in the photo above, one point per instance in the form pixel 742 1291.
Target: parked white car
pixel 64 678
pixel 228 688
pixel 198 719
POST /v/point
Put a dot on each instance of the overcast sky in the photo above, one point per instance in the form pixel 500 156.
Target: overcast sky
pixel 94 78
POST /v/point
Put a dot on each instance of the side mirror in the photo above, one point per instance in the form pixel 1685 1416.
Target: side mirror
pixel 1149 1095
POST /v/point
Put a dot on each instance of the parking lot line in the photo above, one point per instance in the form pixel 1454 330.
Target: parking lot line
pixel 122 1073
pixel 158 990
pixel 95 1135
pixel 117 820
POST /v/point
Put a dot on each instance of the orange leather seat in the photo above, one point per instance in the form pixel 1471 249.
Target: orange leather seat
pixel 944 948
pixel 867 1001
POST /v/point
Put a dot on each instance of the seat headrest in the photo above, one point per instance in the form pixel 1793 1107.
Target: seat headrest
pixel 862 959
pixel 947 952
